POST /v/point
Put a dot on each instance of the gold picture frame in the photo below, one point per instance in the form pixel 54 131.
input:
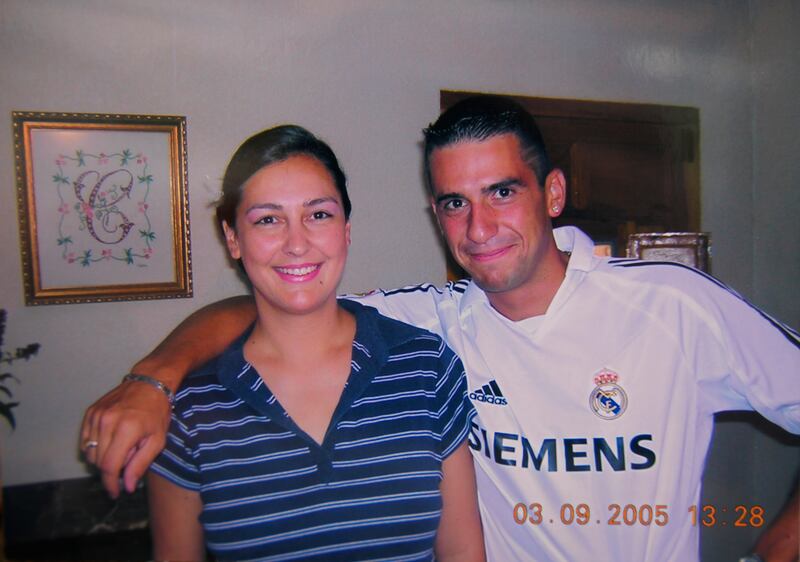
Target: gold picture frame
pixel 688 248
pixel 103 207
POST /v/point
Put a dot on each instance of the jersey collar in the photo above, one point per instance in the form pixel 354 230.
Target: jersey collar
pixel 579 245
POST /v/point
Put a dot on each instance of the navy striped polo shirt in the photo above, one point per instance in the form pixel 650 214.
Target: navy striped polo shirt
pixel 369 492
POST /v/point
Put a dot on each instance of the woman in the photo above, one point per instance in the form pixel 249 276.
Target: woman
pixel 326 431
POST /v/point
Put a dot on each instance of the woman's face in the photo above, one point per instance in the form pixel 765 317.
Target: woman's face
pixel 291 235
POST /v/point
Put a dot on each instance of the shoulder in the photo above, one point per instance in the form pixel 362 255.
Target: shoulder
pixel 662 274
pixel 697 293
pixel 452 289
pixel 658 284
pixel 415 295
pixel 424 305
pixel 395 336
pixel 392 332
pixel 201 386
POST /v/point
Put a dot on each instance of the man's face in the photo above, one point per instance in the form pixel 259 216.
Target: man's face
pixel 493 213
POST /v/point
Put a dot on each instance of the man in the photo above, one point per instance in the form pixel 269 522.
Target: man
pixel 595 380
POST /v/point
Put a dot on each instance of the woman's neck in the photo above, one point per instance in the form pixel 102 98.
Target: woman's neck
pixel 301 337
pixel 304 359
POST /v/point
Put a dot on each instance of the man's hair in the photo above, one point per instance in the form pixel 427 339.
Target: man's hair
pixel 479 118
pixel 270 147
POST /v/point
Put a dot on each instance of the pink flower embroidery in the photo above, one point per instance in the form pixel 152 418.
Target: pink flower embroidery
pixel 107 254
pixel 143 206
pixel 71 257
pixel 63 208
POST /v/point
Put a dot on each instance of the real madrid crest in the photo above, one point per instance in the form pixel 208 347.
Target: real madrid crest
pixel 607 399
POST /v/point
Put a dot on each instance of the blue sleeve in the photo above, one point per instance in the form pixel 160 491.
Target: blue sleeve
pixel 177 462
pixel 453 406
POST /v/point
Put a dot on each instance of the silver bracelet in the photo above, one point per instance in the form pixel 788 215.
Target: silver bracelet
pixel 134 377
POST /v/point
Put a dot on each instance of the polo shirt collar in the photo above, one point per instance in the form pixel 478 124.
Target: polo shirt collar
pixel 375 336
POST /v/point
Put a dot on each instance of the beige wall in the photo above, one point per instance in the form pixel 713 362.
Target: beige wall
pixel 365 75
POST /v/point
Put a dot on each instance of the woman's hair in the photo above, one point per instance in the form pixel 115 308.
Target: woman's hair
pixel 270 147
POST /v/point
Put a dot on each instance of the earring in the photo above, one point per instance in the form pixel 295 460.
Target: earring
pixel 555 208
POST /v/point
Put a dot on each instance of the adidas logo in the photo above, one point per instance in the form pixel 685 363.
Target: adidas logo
pixel 489 393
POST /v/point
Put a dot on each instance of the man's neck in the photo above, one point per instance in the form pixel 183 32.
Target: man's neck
pixel 533 298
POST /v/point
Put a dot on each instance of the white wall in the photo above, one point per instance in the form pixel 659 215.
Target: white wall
pixel 776 123
pixel 747 466
pixel 366 76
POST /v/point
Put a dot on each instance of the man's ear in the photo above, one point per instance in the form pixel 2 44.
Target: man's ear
pixel 555 192
pixel 231 241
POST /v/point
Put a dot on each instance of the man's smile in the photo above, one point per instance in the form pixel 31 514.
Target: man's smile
pixel 488 255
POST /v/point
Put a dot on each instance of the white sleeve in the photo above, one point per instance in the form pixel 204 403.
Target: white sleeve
pixel 744 359
pixel 416 304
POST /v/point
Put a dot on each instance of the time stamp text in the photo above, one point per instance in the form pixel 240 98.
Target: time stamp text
pixel 629 515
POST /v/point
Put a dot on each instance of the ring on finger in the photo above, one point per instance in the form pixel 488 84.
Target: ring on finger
pixel 90 444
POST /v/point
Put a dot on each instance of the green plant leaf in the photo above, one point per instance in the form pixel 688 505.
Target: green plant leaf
pixel 27 351
pixel 5 411
pixel 9 357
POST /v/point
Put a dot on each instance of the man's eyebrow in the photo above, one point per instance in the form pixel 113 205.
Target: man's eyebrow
pixel 508 182
pixel 447 197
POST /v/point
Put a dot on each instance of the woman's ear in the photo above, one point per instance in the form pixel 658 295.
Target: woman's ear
pixel 231 241
pixel 347 232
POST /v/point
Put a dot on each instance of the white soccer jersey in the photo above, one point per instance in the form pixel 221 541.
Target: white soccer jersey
pixel 594 419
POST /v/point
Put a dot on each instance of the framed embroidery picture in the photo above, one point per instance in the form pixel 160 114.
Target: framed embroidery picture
pixel 103 207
